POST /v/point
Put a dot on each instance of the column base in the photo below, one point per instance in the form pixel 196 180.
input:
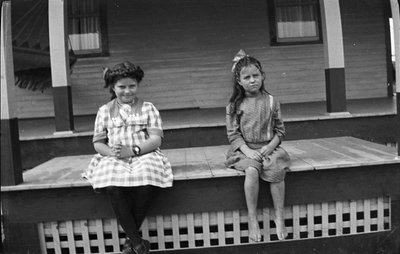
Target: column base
pixel 63 133
pixel 335 90
pixel 11 171
pixel 64 118
pixel 339 114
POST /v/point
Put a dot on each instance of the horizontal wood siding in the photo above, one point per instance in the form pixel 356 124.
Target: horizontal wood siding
pixel 186 50
pixel 364 48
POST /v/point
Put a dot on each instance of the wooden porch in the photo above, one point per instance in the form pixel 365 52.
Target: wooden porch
pixel 369 119
pixel 342 192
pixel 339 191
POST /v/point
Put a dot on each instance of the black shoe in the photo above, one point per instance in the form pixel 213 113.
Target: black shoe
pixel 127 248
pixel 143 248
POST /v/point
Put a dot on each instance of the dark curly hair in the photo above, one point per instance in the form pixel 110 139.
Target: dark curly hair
pixel 120 71
pixel 238 93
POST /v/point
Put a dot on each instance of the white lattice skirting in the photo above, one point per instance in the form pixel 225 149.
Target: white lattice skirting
pixel 207 229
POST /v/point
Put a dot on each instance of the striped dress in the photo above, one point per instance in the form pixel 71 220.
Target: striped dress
pixel 255 123
pixel 130 127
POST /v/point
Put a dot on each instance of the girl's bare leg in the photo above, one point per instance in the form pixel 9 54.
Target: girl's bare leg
pixel 251 186
pixel 278 197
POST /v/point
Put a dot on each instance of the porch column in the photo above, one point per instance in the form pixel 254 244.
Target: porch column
pixel 11 172
pixel 396 31
pixel 60 72
pixel 334 56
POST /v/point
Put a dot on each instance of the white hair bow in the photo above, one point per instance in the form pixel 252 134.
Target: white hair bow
pixel 239 55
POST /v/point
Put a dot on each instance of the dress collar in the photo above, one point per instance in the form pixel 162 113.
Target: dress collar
pixel 114 106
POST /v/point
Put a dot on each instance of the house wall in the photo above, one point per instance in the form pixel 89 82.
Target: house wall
pixel 364 48
pixel 186 50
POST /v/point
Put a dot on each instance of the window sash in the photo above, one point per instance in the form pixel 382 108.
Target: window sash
pixel 296 21
pixel 84 26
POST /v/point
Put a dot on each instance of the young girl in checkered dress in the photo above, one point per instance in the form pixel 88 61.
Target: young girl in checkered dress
pixel 255 130
pixel 129 165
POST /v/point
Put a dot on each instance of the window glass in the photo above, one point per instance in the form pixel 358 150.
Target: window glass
pixel 296 21
pixel 85 35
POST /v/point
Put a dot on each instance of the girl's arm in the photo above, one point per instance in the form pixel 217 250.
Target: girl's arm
pixel 252 154
pixel 235 136
pixel 278 129
pixel 100 133
pixel 150 144
pixel 121 151
pixel 268 149
pixel 233 129
pixel 154 130
pixel 103 149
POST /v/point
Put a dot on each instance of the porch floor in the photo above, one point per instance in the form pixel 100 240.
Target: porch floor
pixel 321 181
pixel 208 162
pixel 44 128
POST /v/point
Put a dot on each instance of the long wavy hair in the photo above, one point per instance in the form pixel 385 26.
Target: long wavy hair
pixel 120 71
pixel 238 93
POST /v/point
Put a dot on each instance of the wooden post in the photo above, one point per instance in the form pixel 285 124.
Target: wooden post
pixel 60 73
pixel 396 31
pixel 334 56
pixel 388 37
pixel 11 172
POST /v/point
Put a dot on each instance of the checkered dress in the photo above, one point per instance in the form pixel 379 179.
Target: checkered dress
pixel 128 129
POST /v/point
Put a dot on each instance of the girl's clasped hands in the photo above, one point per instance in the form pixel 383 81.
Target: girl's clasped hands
pixel 258 155
pixel 120 151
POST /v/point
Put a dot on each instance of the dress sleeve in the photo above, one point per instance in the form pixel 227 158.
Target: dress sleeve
pixel 233 129
pixel 279 127
pixel 154 122
pixel 100 130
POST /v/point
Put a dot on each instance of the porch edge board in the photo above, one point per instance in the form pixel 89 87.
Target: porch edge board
pixel 217 194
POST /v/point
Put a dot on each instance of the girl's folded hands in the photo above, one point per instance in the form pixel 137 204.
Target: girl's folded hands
pixel 121 151
pixel 266 150
pixel 252 154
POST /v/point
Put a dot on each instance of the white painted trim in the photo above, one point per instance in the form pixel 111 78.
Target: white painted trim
pixel 332 34
pixel 59 56
pixel 8 101
pixel 396 32
pixel 339 114
pixel 54 234
pixel 63 133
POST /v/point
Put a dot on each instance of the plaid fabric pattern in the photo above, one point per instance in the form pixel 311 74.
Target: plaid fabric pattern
pixel 149 169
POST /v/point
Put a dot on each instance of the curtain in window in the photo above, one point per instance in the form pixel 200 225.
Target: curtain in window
pixel 84 27
pixel 296 19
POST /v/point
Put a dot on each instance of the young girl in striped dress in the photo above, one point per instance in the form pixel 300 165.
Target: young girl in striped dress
pixel 255 130
pixel 129 165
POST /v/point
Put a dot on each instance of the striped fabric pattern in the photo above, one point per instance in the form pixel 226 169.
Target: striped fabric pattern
pixel 255 121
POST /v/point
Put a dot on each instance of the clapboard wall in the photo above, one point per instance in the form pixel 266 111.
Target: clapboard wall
pixel 186 48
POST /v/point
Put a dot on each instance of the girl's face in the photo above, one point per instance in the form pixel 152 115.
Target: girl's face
pixel 251 79
pixel 125 90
